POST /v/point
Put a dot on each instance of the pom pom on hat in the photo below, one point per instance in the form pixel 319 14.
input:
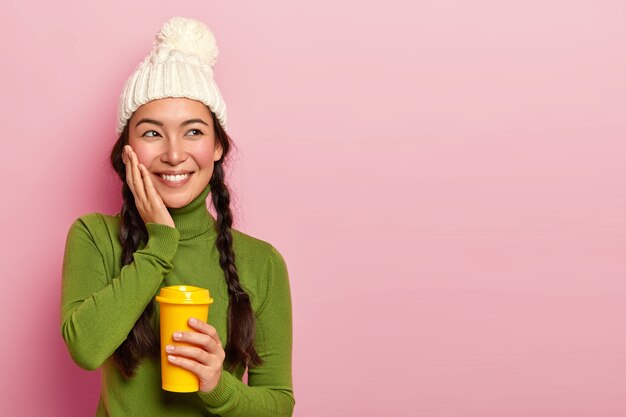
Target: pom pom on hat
pixel 180 65
pixel 189 36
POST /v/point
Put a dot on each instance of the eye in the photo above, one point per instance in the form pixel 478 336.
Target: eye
pixel 196 130
pixel 150 131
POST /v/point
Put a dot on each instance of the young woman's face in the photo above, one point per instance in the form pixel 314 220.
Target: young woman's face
pixel 175 136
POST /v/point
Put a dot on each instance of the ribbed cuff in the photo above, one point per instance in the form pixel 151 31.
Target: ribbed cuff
pixel 223 392
pixel 162 240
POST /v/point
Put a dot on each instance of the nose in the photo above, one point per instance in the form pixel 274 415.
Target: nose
pixel 174 152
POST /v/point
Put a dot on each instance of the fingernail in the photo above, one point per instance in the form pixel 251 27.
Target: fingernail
pixel 177 335
pixel 169 348
pixel 171 358
pixel 193 321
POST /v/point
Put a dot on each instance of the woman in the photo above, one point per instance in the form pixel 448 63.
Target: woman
pixel 169 155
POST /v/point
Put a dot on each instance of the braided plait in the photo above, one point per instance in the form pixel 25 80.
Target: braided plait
pixel 141 340
pixel 241 320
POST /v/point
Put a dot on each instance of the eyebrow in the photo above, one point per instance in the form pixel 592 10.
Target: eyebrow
pixel 156 122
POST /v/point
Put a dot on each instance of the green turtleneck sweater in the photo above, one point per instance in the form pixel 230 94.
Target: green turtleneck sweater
pixel 101 301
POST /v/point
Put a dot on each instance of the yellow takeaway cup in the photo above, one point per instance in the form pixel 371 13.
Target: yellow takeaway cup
pixel 177 304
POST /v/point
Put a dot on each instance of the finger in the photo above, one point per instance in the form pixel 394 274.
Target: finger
pixel 129 171
pixel 205 328
pixel 207 342
pixel 191 352
pixel 189 364
pixel 137 180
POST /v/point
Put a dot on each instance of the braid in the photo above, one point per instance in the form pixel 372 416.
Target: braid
pixel 241 326
pixel 141 340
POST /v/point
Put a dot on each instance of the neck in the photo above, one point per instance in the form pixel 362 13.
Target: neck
pixel 194 219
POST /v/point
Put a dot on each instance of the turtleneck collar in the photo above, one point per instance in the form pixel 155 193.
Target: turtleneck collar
pixel 194 219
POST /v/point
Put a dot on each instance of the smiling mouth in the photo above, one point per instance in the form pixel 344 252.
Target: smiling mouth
pixel 174 179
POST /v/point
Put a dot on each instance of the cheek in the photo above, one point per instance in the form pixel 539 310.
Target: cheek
pixel 145 154
pixel 204 156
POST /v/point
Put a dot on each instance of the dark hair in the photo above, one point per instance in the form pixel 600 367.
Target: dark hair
pixel 142 341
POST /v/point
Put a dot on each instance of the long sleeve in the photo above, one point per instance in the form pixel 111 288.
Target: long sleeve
pixel 269 392
pixel 98 311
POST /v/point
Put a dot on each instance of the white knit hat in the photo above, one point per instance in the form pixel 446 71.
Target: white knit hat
pixel 180 65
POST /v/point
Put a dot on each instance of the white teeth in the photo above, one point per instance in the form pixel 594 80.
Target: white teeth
pixel 174 178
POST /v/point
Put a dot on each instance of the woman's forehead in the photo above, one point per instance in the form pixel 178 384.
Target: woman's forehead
pixel 173 110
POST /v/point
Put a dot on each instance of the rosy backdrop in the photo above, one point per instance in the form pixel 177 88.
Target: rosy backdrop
pixel 445 179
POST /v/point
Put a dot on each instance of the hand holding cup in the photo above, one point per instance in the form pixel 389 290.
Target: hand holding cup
pixel 204 357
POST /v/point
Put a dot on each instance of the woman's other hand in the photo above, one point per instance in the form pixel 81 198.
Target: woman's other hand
pixel 148 201
pixel 205 359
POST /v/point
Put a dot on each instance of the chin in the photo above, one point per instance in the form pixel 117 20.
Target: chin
pixel 176 202
pixel 178 197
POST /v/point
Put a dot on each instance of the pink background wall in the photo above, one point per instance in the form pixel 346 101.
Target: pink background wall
pixel 445 179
